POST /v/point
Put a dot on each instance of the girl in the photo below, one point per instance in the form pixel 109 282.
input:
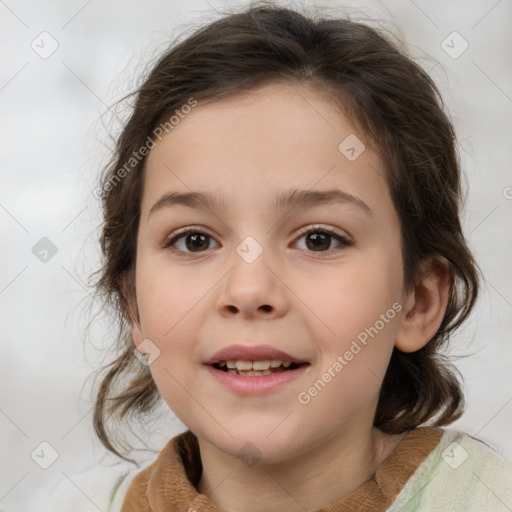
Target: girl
pixel 282 240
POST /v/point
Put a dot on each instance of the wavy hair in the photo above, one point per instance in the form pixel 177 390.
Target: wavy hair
pixel 389 97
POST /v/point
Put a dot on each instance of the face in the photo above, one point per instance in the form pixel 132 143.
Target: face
pixel 320 280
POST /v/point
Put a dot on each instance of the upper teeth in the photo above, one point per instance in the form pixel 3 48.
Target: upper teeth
pixel 255 365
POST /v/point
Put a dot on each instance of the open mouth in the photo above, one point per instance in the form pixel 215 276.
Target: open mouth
pixel 256 368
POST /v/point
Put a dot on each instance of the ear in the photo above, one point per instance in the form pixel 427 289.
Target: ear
pixel 425 306
pixel 130 309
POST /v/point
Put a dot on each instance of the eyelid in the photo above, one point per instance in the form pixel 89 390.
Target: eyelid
pixel 326 228
pixel 184 231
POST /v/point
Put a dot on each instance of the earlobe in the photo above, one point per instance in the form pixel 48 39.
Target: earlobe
pixel 425 306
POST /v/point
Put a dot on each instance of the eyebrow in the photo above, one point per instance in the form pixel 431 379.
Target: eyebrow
pixel 294 198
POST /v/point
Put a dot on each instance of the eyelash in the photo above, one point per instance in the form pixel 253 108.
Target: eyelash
pixel 344 242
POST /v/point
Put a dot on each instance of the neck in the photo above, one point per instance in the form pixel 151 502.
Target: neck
pixel 320 477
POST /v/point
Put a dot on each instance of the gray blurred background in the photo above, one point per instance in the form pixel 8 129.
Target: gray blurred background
pixel 63 65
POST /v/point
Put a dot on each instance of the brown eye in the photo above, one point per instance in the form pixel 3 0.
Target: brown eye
pixel 196 241
pixel 320 240
pixel 190 241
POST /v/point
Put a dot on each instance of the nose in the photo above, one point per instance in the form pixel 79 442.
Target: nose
pixel 252 289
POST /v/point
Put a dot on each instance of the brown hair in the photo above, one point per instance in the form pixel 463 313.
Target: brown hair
pixel 390 99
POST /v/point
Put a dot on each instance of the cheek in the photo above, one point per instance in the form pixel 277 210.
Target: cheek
pixel 169 305
pixel 168 299
pixel 355 296
pixel 360 317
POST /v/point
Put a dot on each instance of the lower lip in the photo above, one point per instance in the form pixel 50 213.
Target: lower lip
pixel 255 385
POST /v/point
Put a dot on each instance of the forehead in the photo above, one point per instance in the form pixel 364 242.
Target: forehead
pixel 249 146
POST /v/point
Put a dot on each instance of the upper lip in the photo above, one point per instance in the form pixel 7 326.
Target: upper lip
pixel 251 353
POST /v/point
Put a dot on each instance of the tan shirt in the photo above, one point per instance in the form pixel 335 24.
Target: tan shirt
pixel 169 484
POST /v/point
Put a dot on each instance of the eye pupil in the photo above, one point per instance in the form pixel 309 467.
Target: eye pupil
pixel 319 237
pixel 197 237
pixel 197 242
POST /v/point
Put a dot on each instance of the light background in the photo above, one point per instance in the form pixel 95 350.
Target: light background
pixel 53 145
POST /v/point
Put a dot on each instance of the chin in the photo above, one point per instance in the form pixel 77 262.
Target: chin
pixel 258 441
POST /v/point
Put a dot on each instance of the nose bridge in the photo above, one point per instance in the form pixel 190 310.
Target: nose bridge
pixel 250 261
pixel 250 250
pixel 251 286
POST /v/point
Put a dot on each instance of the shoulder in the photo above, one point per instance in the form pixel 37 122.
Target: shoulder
pixel 135 481
pixel 462 473
pixel 86 491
